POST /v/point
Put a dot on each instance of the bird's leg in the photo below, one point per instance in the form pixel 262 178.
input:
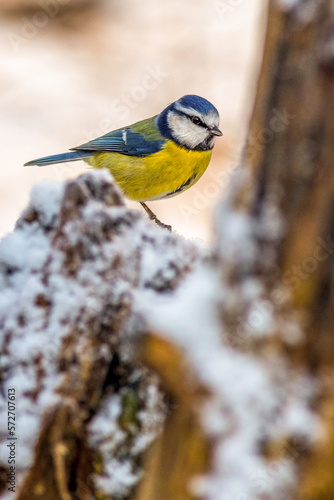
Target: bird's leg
pixel 153 217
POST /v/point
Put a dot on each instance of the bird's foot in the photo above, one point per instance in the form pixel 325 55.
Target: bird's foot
pixel 153 217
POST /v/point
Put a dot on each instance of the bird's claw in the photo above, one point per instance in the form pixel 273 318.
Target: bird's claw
pixel 154 218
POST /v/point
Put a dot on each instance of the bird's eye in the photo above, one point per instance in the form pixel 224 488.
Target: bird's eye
pixel 195 120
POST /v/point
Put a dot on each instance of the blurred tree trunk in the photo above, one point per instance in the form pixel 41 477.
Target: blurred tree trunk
pixel 295 167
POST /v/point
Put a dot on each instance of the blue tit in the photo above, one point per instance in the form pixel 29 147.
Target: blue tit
pixel 155 158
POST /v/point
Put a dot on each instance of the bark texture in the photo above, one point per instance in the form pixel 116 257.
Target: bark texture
pixel 86 406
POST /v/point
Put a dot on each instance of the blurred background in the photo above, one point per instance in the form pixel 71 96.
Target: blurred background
pixel 72 70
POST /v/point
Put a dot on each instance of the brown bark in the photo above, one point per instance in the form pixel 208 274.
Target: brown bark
pixel 294 168
pixel 183 450
pixel 85 361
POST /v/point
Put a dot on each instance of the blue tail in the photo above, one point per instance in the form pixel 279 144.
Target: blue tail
pixel 62 158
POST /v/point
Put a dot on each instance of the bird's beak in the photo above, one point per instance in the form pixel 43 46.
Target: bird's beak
pixel 215 131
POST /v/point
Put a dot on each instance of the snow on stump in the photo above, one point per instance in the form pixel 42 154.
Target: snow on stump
pixel 86 408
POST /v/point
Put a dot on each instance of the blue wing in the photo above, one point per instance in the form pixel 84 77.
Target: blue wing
pixel 125 142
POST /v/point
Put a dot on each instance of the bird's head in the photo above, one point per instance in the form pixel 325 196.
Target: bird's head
pixel 192 122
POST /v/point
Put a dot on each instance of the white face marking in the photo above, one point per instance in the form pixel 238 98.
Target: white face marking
pixel 211 119
pixel 188 133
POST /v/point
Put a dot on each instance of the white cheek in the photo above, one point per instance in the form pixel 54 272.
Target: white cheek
pixel 185 131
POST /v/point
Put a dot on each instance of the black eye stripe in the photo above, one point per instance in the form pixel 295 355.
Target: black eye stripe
pixel 198 121
pixel 182 113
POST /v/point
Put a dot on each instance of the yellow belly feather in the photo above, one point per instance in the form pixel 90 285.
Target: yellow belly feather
pixel 157 175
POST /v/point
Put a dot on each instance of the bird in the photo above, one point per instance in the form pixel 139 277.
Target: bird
pixel 156 158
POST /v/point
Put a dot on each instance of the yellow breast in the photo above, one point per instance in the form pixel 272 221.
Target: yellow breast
pixel 163 174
